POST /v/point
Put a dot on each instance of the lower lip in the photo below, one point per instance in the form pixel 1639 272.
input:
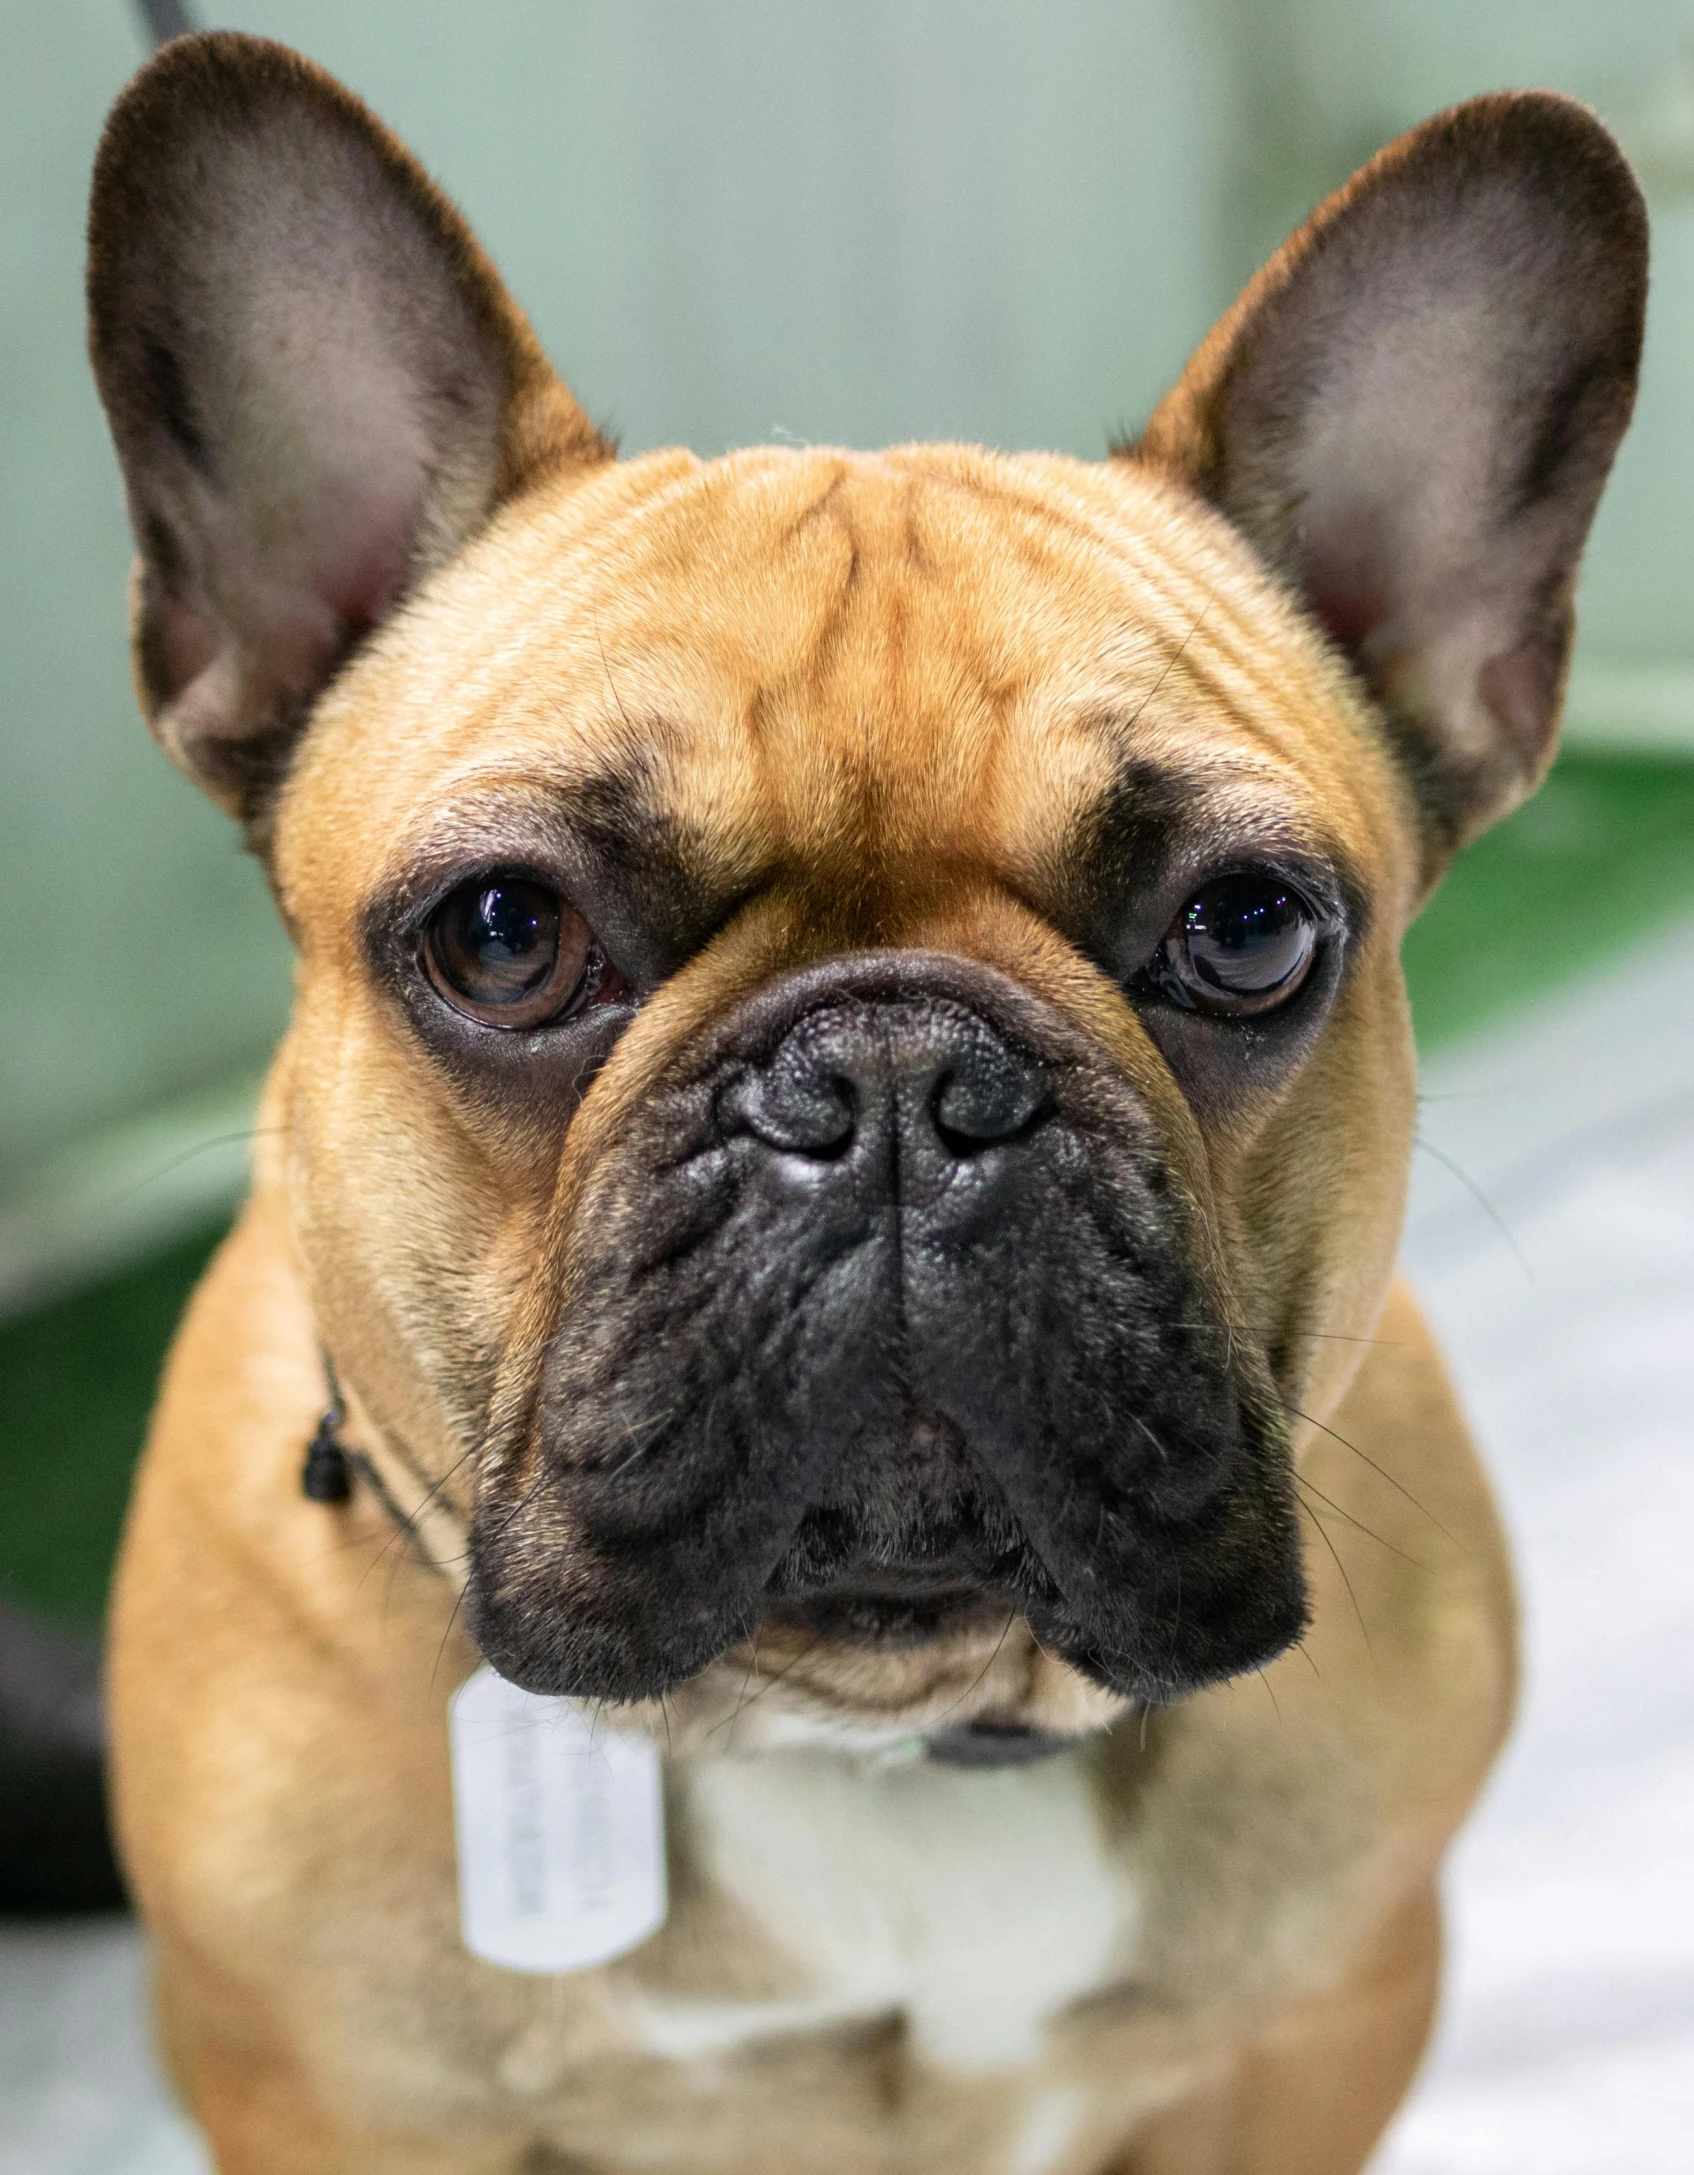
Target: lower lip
pixel 888 1617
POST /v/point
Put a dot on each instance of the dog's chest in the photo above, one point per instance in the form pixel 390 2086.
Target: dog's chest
pixel 975 1905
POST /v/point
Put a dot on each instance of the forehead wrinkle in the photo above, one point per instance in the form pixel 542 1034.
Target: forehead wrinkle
pixel 1040 489
pixel 802 739
pixel 682 537
pixel 919 707
pixel 451 671
pixel 699 677
pixel 1187 561
pixel 1295 717
pixel 705 701
pixel 1138 595
pixel 880 694
pixel 1275 674
pixel 1229 684
pixel 974 681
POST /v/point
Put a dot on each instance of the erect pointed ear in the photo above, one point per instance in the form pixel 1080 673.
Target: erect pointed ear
pixel 1411 412
pixel 318 387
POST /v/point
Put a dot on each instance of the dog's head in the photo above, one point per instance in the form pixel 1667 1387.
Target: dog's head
pixel 851 1081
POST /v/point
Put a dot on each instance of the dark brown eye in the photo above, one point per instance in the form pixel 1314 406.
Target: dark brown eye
pixel 1242 944
pixel 511 953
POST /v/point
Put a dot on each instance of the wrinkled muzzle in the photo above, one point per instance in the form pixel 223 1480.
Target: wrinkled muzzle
pixel 886 1309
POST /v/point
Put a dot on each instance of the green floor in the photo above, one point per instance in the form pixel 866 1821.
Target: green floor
pixel 1604 853
pixel 76 1382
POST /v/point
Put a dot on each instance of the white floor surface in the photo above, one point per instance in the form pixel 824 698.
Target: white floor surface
pixel 1565 1294
pixel 1567 2045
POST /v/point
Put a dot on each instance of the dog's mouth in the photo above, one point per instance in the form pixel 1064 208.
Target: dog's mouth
pixel 896 1606
pixel 921 1638
pixel 896 1609
pixel 909 1542
pixel 915 1559
pixel 908 1586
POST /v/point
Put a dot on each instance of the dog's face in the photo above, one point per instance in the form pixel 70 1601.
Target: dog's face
pixel 863 955
pixel 851 1087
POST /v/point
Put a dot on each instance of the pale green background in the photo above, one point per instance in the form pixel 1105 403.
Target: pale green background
pixel 732 219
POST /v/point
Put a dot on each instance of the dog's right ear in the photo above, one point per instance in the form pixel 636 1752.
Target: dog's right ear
pixel 318 387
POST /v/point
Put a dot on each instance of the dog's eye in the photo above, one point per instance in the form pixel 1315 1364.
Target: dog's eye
pixel 1242 944
pixel 511 953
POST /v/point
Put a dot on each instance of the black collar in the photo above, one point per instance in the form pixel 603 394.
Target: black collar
pixel 332 1466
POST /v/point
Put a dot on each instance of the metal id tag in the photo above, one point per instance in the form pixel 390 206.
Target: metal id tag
pixel 560 1829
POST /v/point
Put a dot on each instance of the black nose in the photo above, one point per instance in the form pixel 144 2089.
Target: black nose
pixel 929 1081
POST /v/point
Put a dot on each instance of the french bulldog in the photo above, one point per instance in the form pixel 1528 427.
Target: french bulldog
pixel 838 1165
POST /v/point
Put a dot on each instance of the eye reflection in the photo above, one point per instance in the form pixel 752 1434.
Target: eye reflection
pixel 510 952
pixel 1243 944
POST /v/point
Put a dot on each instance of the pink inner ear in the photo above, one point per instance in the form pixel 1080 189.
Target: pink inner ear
pixel 1342 558
pixel 1349 613
pixel 186 644
pixel 279 639
pixel 359 555
pixel 363 553
pixel 1521 689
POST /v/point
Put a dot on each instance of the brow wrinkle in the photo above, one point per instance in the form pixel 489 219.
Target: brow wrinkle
pixel 1175 657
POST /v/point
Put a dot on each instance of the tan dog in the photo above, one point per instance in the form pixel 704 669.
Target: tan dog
pixel 844 1132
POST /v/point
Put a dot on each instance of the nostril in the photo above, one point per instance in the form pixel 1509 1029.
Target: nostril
pixel 978 1106
pixel 826 1126
pixel 813 1116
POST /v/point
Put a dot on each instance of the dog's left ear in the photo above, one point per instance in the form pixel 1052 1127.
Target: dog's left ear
pixel 318 387
pixel 1411 412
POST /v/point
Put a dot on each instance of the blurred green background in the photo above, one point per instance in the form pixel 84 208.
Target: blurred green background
pixel 841 220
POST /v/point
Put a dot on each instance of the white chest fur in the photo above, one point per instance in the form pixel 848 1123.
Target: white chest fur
pixel 978 1903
